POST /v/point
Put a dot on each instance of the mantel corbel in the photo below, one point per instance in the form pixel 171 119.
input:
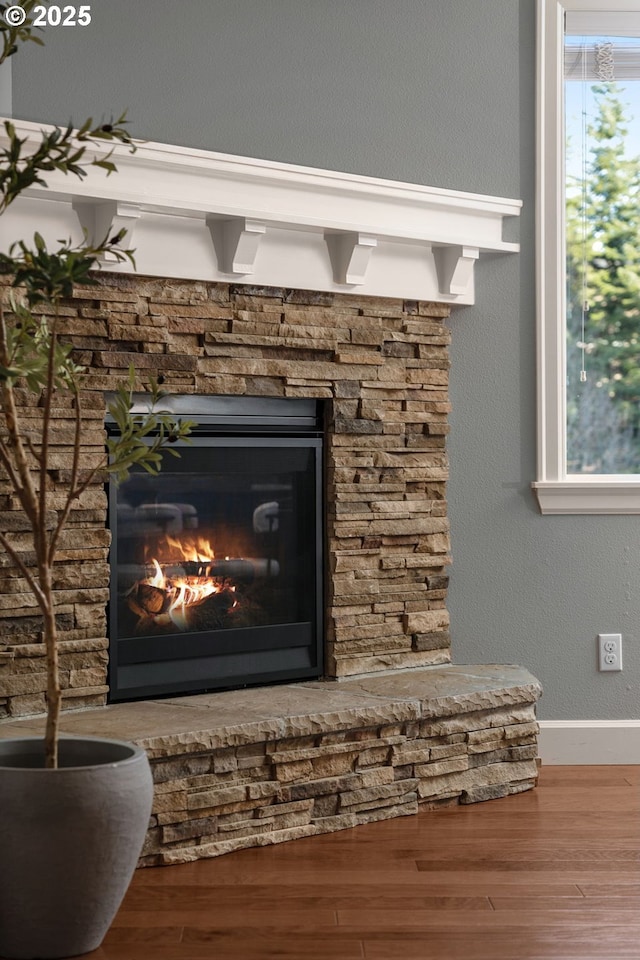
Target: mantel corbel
pixel 236 243
pixel 454 266
pixel 105 218
pixel 350 254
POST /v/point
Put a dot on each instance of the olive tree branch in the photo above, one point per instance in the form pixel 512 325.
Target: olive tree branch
pixel 24 483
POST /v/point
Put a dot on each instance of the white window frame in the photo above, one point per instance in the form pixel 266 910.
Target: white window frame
pixel 555 490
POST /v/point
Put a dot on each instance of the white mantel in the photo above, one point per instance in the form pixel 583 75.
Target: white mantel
pixel 196 214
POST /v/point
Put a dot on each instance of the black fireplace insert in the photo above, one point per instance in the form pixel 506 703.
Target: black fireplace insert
pixel 216 562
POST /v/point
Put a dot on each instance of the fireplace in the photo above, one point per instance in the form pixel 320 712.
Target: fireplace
pixel 216 563
pixel 299 316
pixel 259 285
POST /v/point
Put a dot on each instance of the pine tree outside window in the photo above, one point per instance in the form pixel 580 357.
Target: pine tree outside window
pixel 588 251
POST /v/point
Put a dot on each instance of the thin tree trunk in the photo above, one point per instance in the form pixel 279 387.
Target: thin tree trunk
pixel 46 557
pixel 54 696
pixel 34 503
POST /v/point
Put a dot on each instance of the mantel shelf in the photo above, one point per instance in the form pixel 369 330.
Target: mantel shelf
pixel 213 216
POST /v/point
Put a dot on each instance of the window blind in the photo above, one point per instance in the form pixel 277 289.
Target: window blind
pixel 624 55
pixel 586 31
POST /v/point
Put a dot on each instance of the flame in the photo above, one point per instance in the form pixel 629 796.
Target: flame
pixel 183 591
pixel 184 572
pixel 187 592
pixel 196 550
pixel 158 579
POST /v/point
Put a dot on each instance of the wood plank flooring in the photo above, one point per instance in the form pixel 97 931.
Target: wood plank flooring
pixel 553 874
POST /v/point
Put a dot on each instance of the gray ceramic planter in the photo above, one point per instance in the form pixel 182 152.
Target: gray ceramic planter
pixel 69 842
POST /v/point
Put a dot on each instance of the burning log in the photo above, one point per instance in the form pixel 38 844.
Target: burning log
pixel 171 596
pixel 245 570
pixel 148 603
pixel 240 570
pixel 151 599
pixel 190 586
pixel 175 606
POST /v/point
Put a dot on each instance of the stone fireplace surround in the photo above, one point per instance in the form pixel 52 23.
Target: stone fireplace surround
pixel 393 725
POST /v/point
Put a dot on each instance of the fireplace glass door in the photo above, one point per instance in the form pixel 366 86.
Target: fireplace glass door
pixel 216 562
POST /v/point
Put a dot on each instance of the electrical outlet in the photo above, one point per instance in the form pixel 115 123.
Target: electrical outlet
pixel 610 651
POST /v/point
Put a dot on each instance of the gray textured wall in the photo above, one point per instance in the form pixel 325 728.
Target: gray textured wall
pixel 5 89
pixel 439 92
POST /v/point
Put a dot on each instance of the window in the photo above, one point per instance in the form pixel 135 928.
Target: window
pixel 588 287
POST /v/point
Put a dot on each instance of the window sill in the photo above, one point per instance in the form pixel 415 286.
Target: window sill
pixel 605 495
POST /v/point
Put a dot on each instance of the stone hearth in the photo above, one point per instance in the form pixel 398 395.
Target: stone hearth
pixel 254 767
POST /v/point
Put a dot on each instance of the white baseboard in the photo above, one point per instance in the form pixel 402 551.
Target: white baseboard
pixel 589 741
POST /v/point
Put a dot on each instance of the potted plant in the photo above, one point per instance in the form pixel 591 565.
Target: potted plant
pixel 74 810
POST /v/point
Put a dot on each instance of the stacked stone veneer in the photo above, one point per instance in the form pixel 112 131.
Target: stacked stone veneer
pixel 262 790
pixel 253 767
pixel 381 365
pixel 403 727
